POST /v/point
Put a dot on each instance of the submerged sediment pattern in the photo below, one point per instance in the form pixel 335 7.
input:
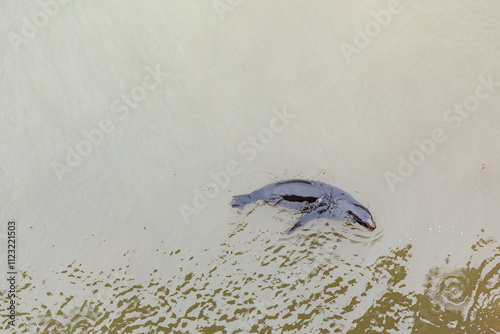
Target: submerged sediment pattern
pixel 273 285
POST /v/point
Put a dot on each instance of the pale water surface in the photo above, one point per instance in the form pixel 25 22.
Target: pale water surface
pixel 126 128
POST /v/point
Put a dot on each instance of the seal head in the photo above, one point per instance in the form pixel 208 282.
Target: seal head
pixel 359 214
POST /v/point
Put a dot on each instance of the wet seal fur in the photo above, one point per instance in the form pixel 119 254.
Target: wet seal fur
pixel 315 199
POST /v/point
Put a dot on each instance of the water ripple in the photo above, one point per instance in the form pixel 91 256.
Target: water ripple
pixel 267 283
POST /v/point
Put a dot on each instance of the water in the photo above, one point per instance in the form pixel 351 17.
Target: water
pixel 126 130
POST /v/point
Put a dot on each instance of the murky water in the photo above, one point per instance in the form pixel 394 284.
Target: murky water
pixel 127 128
pixel 317 283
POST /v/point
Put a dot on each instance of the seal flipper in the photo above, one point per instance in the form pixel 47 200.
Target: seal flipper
pixel 240 201
pixel 274 199
pixel 304 220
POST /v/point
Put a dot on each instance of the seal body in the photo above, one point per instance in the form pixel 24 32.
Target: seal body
pixel 314 199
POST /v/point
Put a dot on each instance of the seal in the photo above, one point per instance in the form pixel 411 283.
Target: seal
pixel 314 199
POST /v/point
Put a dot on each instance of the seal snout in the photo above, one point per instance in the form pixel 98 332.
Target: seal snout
pixel 370 224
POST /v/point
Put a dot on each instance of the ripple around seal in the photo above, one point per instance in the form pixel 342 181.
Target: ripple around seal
pixel 352 232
